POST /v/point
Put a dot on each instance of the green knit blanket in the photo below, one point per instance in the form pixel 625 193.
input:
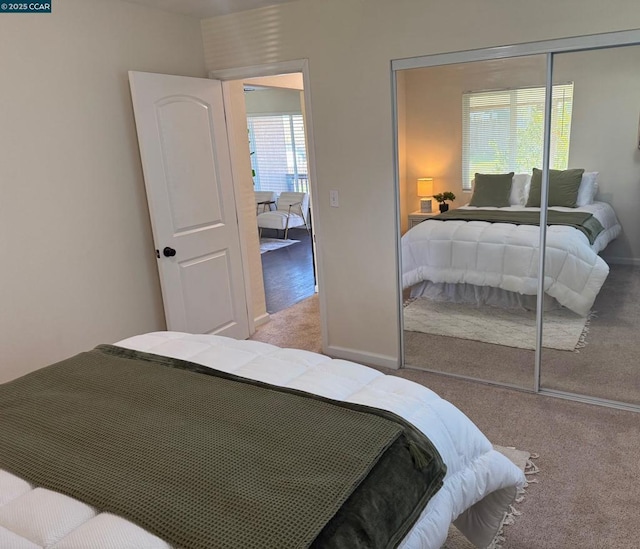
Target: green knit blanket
pixel 213 460
pixel 585 222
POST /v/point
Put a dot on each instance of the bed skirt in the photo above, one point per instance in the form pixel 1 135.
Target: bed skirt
pixel 480 295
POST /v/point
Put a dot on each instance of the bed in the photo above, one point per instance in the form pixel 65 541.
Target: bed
pixel 475 492
pixel 496 263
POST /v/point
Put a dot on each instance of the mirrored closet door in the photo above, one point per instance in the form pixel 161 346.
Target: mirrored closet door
pixel 479 135
pixel 470 285
pixel 596 350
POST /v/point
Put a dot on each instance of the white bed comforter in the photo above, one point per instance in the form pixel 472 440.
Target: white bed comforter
pixel 478 488
pixel 505 256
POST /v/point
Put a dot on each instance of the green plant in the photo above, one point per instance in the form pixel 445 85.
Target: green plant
pixel 443 197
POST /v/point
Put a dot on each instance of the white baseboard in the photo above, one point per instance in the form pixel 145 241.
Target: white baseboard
pixel 371 359
pixel 262 319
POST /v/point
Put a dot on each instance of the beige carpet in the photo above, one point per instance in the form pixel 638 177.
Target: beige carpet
pixel 297 327
pixel 563 330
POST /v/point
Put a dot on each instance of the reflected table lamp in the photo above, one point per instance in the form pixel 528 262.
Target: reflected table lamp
pixel 425 192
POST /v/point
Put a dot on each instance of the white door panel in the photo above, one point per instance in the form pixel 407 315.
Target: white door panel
pixel 192 159
pixel 187 170
pixel 210 305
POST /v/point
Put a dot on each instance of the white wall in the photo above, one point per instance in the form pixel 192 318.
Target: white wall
pixel 604 134
pixel 408 199
pixel 349 45
pixel 273 101
pixel 78 265
pixel 291 81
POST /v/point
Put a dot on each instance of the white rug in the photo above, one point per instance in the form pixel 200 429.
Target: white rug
pixel 519 457
pixel 270 244
pixel 563 330
pixel 523 460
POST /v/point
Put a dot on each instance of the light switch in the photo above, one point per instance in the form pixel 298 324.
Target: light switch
pixel 333 199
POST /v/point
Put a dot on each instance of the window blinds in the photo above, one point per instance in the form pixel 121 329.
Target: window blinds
pixel 503 130
pixel 278 152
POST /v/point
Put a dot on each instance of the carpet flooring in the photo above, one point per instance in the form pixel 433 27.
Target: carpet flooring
pixel 606 367
pixel 584 498
pixel 297 327
pixel 564 330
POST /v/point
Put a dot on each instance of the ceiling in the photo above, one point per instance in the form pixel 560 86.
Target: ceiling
pixel 206 8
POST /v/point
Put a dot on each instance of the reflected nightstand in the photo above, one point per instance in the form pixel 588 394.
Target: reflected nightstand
pixel 418 217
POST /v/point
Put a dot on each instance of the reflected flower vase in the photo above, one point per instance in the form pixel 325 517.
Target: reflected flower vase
pixel 443 207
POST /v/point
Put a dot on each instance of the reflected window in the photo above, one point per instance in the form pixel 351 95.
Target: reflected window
pixel 502 130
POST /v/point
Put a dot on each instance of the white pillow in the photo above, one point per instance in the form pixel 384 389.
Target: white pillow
pixel 519 189
pixel 588 189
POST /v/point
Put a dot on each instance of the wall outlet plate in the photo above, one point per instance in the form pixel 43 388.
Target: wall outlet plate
pixel 333 199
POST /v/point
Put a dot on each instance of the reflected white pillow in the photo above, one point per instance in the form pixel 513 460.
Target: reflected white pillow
pixel 588 189
pixel 519 189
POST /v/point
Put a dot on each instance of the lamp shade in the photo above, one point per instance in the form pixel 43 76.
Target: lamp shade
pixel 425 186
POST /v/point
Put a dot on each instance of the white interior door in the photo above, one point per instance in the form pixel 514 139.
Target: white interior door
pixel 187 171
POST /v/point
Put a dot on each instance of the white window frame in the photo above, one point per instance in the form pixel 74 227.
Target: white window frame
pixel 514 99
pixel 299 178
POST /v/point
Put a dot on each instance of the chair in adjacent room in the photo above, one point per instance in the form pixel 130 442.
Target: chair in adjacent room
pixel 292 210
pixel 264 201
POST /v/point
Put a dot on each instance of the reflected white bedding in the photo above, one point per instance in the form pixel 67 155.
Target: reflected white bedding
pixel 479 486
pixel 505 256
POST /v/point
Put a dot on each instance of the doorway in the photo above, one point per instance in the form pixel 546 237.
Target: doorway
pixel 278 154
pixel 284 281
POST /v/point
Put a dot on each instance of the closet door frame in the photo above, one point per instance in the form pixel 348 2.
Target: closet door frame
pixel 549 48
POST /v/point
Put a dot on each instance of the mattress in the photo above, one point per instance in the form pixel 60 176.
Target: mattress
pixel 479 486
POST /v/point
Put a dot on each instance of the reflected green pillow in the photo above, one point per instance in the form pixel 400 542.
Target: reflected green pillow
pixel 492 190
pixel 563 187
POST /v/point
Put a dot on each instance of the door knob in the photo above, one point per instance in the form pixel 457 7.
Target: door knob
pixel 169 252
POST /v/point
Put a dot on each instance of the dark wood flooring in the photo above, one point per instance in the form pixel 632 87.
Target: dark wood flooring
pixel 288 272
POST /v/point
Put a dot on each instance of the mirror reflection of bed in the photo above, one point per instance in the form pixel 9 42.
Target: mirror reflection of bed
pixel 470 284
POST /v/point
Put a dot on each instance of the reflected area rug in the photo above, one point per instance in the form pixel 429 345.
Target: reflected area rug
pixel 563 329
pixel 270 244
